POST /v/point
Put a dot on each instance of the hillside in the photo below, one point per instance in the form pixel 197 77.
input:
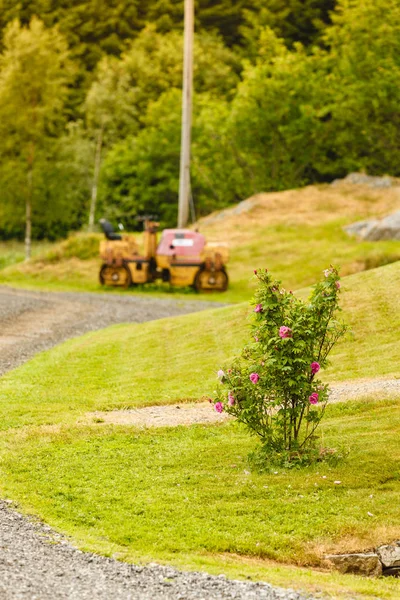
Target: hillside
pixel 72 470
pixel 161 362
pixel 295 233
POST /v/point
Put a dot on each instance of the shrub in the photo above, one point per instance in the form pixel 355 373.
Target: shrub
pixel 78 245
pixel 272 388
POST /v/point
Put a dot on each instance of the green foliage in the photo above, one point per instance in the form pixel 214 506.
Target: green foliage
pixel 34 75
pixel 317 98
pixel 273 389
pixel 363 104
pixel 78 245
pixel 140 175
pixel 292 20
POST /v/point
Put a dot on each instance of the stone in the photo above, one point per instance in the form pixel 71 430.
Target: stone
pixel 358 564
pixel 389 555
pixel 368 180
pixel 374 230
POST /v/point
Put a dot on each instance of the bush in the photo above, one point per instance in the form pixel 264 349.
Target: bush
pixel 78 245
pixel 273 388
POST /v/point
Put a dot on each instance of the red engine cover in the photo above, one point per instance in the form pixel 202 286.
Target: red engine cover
pixel 183 242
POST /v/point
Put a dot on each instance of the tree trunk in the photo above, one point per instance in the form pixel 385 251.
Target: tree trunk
pixel 96 173
pixel 28 215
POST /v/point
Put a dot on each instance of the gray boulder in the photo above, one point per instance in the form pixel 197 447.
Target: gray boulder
pixel 373 230
pixel 389 555
pixel 368 180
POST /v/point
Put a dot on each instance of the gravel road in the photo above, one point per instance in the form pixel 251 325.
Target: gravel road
pixel 31 322
pixel 35 562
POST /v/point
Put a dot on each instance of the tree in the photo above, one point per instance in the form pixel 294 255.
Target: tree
pixel 34 75
pixel 277 121
pixel 110 113
pixel 363 62
pixel 132 95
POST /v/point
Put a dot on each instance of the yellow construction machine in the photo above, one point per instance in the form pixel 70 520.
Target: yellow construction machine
pixel 181 257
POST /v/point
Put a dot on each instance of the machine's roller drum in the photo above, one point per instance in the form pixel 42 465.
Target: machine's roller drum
pixel 115 276
pixel 211 281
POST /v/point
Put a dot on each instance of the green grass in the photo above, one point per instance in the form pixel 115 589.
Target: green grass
pixel 181 495
pixel 176 359
pixel 13 252
pixel 295 234
pixel 297 255
pixel 185 496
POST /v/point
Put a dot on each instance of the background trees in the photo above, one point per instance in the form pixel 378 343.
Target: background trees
pixel 286 93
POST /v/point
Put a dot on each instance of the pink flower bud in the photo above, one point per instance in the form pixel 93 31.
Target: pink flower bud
pixel 258 308
pixel 231 399
pixel 254 378
pixel 313 398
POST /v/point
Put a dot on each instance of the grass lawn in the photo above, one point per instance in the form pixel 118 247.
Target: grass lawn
pixel 296 234
pixel 185 495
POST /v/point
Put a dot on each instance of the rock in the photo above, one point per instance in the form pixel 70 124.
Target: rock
pixel 369 180
pixel 389 555
pixel 386 229
pixel 373 230
pixel 359 564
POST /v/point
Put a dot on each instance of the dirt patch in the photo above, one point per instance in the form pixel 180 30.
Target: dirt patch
pixel 161 416
pixel 204 412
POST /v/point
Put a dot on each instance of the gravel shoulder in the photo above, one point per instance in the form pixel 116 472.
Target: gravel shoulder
pixel 36 563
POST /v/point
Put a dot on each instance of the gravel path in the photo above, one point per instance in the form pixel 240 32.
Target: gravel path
pixel 31 322
pixel 35 562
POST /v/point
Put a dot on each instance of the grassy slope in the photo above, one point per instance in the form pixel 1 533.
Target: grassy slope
pixel 176 359
pixel 295 233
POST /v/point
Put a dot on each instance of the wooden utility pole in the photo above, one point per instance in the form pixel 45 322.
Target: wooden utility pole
pixel 184 178
pixel 96 174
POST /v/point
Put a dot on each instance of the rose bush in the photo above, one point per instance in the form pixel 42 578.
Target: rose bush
pixel 272 388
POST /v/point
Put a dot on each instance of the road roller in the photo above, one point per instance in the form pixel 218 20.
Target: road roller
pixel 180 257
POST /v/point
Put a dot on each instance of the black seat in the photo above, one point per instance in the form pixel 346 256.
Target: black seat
pixel 109 230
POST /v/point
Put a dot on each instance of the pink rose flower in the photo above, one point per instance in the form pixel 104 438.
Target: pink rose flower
pixel 231 399
pixel 315 367
pixel 337 285
pixel 219 407
pixel 285 332
pixel 258 308
pixel 254 377
pixel 314 398
pixel 220 374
